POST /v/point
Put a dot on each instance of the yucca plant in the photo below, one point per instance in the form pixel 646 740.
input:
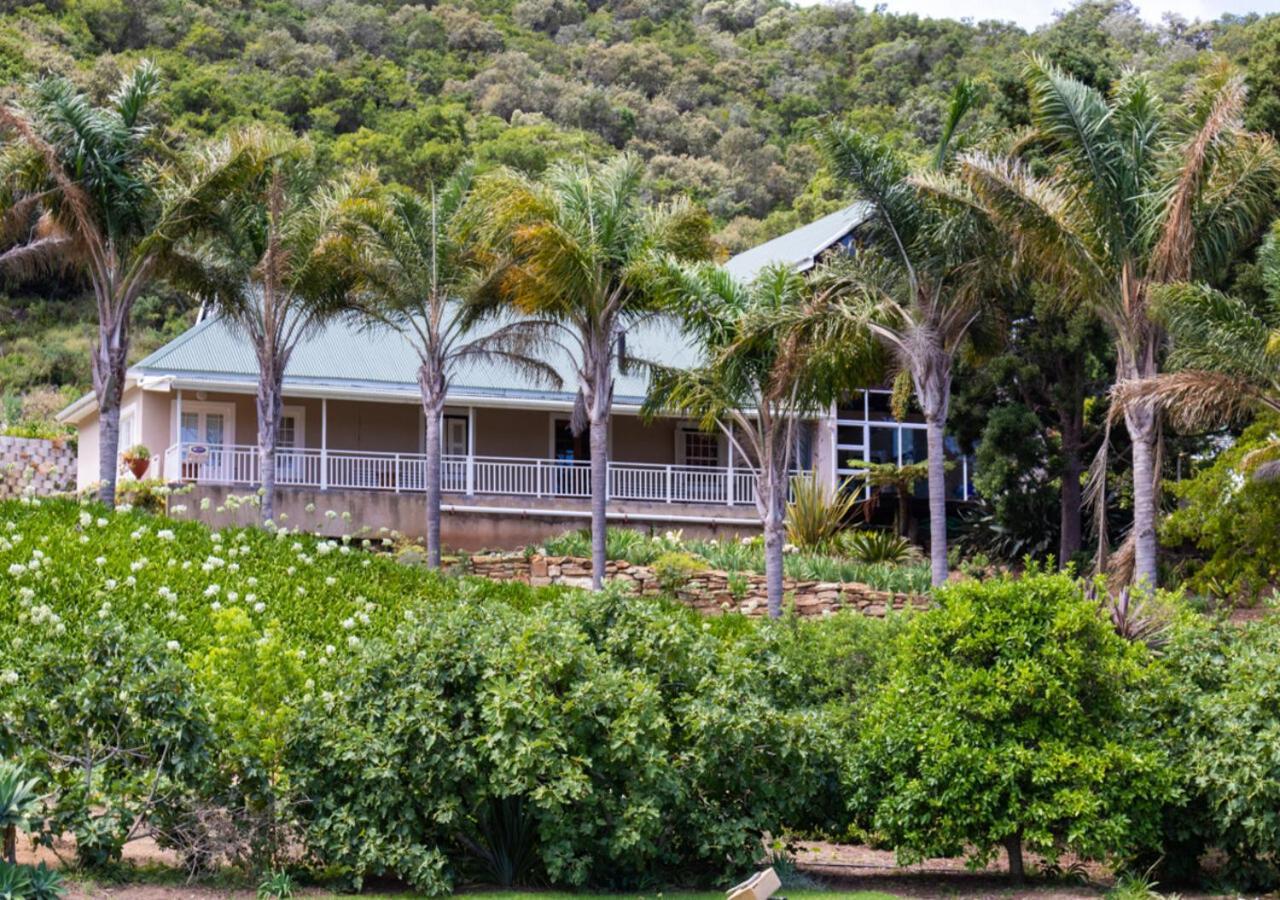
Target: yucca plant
pixel 15 882
pixel 18 801
pixel 874 546
pixel 817 513
pixel 44 883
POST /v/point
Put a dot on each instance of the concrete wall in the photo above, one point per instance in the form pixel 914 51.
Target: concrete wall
pixel 468 523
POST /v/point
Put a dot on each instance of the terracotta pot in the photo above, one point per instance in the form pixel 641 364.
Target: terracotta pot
pixel 138 467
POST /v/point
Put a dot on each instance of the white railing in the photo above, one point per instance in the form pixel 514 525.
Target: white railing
pixel 512 476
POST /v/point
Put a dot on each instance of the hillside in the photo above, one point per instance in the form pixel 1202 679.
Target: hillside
pixel 717 96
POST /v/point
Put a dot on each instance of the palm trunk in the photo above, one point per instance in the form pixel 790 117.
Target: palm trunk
pixel 109 367
pixel 937 499
pixel 599 496
pixel 1071 497
pixel 1142 432
pixel 433 410
pixel 270 409
pixel 775 536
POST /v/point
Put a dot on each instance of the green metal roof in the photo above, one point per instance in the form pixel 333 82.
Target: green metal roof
pixel 354 357
pixel 800 248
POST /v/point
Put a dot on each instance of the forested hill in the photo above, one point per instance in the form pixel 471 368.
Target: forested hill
pixel 717 95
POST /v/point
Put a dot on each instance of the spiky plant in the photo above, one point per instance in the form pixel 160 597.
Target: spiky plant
pixel 579 248
pixel 1139 196
pixel 18 802
pixel 816 513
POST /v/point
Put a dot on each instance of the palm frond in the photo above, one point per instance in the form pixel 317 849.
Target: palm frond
pixel 1193 399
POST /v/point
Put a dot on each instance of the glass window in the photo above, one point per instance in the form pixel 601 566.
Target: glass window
pixel 701 449
pixel 287 436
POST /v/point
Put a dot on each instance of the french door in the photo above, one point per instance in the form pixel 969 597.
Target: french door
pixel 209 430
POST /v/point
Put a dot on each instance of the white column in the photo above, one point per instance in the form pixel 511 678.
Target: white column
pixel 177 413
pixel 324 443
pixel 729 472
pixel 471 451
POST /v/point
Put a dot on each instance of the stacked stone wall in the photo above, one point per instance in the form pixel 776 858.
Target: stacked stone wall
pixel 710 592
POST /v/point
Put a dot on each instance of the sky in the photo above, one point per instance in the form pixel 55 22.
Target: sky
pixel 1031 13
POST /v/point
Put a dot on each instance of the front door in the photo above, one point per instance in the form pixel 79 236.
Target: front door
pixel 211 430
pixel 570 477
pixel 456 443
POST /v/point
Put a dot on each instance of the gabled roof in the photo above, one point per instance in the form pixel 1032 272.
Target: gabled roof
pixel 346 355
pixel 801 248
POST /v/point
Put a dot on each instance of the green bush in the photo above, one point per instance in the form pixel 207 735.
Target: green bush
pixel 816 513
pixel 619 737
pixel 1009 721
pixel 1223 730
pixel 674 570
pixel 1230 520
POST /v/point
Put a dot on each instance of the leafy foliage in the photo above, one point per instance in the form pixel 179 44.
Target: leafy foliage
pixel 1010 719
pixel 1230 518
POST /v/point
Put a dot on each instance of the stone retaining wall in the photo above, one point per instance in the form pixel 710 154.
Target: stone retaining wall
pixel 35 466
pixel 710 592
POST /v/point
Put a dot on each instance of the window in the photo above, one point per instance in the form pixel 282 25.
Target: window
pixel 701 449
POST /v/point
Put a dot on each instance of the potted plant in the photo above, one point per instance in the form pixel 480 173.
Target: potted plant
pixel 137 458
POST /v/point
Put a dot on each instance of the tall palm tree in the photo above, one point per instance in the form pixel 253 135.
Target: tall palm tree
pixel 921 282
pixel 274 270
pixel 415 274
pixel 757 384
pixel 1224 358
pixel 1138 196
pixel 579 248
pixel 89 189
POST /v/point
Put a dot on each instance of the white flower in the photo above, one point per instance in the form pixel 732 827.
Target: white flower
pixel 111 584
pixel 84 538
pixel 329 649
pixel 249 598
pixel 177 510
pixel 330 581
pixel 17 569
pixel 204 503
pixel 353 641
pixel 233 596
pixel 100 561
pixel 216 537
pixel 9 677
pixel 212 589
pixel 251 581
pixel 165 534
pixel 138 565
pixel 259 607
pixel 348 623
pixel 85 520
pixel 215 606
pixel 102 523
pixel 174 646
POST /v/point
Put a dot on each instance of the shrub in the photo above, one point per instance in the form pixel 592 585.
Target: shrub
pixel 674 570
pixel 1010 721
pixel 603 740
pixel 107 720
pixel 1231 520
pixel 1224 728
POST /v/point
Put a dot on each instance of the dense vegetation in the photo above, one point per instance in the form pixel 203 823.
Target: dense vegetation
pixel 292 703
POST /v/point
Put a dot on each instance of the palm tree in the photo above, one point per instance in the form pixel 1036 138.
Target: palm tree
pixel 920 282
pixel 579 249
pixel 84 188
pixel 1224 359
pixel 275 271
pixel 415 274
pixel 757 383
pixel 1138 196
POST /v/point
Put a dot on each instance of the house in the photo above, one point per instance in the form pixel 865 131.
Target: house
pixel 351 438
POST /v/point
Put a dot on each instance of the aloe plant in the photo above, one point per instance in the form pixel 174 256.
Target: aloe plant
pixel 18 801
